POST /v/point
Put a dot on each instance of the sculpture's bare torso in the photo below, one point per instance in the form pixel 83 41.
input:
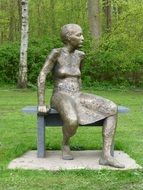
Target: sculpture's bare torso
pixel 67 71
pixel 88 108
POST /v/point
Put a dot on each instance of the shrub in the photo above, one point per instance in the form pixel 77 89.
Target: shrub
pixel 9 60
pixel 37 53
pixel 118 60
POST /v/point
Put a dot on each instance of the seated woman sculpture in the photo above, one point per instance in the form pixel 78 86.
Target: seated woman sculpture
pixel 76 107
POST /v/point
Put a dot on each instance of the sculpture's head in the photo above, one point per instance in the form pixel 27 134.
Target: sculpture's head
pixel 72 34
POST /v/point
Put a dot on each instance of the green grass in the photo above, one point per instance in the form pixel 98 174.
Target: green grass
pixel 18 134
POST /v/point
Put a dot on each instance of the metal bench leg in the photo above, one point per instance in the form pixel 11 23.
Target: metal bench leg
pixel 41 137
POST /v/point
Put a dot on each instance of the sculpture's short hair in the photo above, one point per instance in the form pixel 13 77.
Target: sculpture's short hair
pixel 67 30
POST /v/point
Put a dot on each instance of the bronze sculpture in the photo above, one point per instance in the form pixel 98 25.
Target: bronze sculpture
pixel 74 106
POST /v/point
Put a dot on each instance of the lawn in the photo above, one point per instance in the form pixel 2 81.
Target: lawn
pixel 18 135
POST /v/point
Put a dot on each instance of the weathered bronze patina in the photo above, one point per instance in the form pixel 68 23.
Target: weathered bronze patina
pixel 74 106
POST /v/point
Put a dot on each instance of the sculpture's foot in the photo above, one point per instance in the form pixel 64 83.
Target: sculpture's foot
pixel 111 161
pixel 66 153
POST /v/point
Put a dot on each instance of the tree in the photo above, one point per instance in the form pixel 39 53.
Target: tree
pixel 22 78
pixel 19 14
pixel 52 11
pixel 94 18
pixel 108 14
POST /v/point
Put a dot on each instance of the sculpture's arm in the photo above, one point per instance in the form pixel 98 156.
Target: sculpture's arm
pixel 48 66
pixel 82 55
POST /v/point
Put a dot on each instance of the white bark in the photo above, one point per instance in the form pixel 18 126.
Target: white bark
pixel 22 78
pixel 94 18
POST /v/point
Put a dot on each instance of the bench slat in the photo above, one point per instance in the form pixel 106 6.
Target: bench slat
pixel 52 118
pixel 33 109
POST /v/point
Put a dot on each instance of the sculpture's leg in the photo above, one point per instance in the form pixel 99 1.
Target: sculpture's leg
pixel 108 134
pixel 109 129
pixel 69 129
pixel 65 105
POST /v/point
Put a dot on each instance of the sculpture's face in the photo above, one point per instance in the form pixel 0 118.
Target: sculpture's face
pixel 76 38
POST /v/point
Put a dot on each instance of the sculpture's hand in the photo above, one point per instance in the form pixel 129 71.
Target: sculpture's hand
pixel 43 109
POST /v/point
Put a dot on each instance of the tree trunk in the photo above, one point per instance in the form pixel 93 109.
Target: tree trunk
pixel 52 9
pixel 94 18
pixel 11 20
pixel 22 78
pixel 108 14
pixel 19 14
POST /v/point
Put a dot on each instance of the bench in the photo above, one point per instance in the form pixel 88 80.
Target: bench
pixel 52 118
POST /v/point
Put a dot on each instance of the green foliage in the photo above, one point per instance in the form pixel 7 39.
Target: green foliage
pixel 9 60
pixel 47 17
pixel 117 60
pixel 37 53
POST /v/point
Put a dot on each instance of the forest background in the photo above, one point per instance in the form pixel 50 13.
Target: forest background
pixel 115 58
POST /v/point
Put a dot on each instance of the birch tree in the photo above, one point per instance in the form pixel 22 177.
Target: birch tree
pixel 94 18
pixel 22 77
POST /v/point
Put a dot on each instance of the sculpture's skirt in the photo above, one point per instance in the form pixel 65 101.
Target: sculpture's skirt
pixel 89 108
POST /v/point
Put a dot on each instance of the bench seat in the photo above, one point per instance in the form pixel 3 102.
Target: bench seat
pixel 53 119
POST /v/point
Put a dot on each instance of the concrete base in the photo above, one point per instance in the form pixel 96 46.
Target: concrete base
pixel 82 160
